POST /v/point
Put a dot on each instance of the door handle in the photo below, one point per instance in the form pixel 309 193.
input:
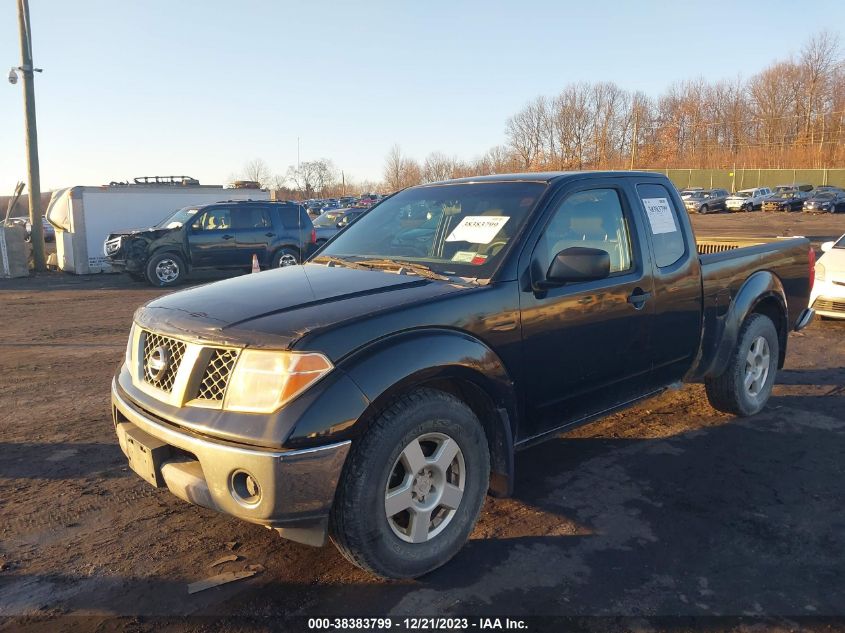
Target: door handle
pixel 228 237
pixel 270 234
pixel 638 298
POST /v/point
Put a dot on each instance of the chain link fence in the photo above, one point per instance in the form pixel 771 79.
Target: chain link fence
pixel 737 179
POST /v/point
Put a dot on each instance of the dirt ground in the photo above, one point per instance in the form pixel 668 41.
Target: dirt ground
pixel 668 509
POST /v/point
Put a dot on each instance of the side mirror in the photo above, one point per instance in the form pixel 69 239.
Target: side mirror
pixel 827 246
pixel 577 263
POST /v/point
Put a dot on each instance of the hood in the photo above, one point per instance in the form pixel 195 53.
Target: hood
pixel 833 260
pixel 276 308
pixel 152 232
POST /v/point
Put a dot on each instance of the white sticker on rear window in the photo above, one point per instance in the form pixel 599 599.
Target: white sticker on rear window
pixel 660 215
pixel 478 229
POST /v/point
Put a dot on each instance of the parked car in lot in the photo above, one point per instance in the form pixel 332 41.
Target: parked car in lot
pixel 825 201
pixel 793 187
pixel 706 201
pixel 49 230
pixel 686 193
pixel 788 200
pixel 378 392
pixel 223 235
pixel 828 295
pixel 332 222
pixel 314 208
pixel 747 199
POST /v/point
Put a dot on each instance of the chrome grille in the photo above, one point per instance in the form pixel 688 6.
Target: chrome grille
pixel 708 248
pixel 829 305
pixel 176 350
pixel 216 375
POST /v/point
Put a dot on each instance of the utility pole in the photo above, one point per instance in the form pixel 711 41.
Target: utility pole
pixel 636 132
pixel 33 175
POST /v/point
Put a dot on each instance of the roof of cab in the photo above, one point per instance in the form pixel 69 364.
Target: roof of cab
pixel 542 176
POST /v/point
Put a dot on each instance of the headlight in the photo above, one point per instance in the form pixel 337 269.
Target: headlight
pixel 129 347
pixel 263 381
pixel 820 271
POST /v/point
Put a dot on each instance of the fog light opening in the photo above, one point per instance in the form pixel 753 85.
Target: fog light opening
pixel 245 488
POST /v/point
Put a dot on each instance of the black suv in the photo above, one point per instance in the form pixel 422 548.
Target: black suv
pixel 223 235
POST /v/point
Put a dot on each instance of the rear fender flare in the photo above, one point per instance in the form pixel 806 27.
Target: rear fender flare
pixel 759 287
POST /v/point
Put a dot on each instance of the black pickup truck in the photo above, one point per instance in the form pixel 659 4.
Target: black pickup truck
pixel 219 236
pixel 376 393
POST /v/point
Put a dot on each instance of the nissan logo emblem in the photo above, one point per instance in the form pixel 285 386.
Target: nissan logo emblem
pixel 158 363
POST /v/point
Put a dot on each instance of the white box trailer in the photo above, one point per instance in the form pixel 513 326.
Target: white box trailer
pixel 84 216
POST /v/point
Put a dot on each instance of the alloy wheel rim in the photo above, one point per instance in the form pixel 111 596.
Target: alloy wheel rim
pixel 167 270
pixel 757 366
pixel 287 260
pixel 425 487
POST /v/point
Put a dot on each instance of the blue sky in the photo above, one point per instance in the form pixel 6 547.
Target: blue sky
pixel 198 88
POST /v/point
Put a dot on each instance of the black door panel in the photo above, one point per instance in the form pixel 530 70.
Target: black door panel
pixel 586 345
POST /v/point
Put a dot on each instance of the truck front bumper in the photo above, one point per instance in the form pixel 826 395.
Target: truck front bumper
pixel 288 490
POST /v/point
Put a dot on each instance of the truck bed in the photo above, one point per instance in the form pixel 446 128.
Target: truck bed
pixel 727 264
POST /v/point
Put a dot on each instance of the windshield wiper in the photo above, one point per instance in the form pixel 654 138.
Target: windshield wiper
pixel 418 269
pixel 337 261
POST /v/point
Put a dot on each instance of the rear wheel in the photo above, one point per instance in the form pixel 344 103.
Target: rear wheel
pixel 746 384
pixel 285 257
pixel 412 487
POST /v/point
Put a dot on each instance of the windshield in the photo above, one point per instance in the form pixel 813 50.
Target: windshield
pixel 840 243
pixel 329 218
pixel 696 194
pixel 177 219
pixel 825 196
pixel 460 230
pixel 742 194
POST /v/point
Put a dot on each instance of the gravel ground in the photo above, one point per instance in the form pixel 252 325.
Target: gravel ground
pixel 667 509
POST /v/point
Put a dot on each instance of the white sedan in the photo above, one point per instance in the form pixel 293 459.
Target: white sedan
pixel 828 296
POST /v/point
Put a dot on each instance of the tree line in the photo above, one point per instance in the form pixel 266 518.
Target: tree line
pixel 791 114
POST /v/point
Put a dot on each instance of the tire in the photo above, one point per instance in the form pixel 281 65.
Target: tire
pixel 285 257
pixel 165 270
pixel 703 209
pixel 394 547
pixel 728 392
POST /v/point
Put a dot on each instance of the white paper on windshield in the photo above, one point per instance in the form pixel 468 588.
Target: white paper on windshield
pixel 478 229
pixel 463 256
pixel 659 215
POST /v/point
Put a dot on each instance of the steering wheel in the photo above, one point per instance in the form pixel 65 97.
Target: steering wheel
pixel 494 247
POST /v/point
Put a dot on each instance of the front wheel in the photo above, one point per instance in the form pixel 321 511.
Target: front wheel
pixel 746 384
pixel 412 487
pixel 703 209
pixel 165 269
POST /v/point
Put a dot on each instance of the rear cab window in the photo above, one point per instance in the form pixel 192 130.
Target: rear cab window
pixel 663 223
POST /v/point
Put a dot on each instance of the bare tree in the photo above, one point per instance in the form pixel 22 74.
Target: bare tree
pixel 400 171
pixel 257 170
pixel 313 177
pixel 438 166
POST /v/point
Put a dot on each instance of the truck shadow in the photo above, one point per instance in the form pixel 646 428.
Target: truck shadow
pixel 35 460
pixel 742 518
